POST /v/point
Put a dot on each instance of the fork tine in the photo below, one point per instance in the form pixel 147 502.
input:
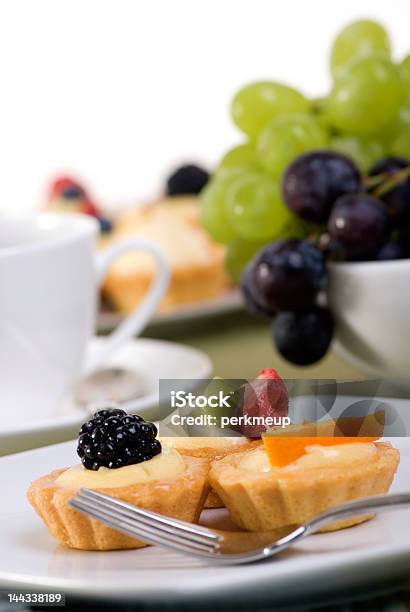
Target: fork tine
pixel 135 529
pixel 149 517
pixel 112 513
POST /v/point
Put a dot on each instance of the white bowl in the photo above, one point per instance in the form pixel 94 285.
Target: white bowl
pixel 371 304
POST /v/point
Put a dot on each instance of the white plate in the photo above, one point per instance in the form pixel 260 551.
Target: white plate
pixel 29 557
pixel 151 359
pixel 230 301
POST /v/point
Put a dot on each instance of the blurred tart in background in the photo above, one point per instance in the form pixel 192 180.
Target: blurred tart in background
pixel 172 222
pixel 197 268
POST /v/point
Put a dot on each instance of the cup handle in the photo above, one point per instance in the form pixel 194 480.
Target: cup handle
pixel 138 319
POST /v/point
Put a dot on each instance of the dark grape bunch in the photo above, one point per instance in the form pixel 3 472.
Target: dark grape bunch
pixel 114 439
pixel 357 219
pixel 342 162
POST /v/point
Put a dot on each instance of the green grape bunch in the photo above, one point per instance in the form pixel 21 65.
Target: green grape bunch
pixel 365 116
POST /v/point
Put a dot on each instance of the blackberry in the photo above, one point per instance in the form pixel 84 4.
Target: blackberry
pixel 113 439
pixel 188 179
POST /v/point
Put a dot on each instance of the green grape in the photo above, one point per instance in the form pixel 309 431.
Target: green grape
pixel 255 209
pixel 363 152
pixel 318 112
pixel 405 74
pixel 243 155
pixel 400 123
pixel 238 253
pixel 400 143
pixel 400 146
pixel 356 41
pixel 366 98
pixel 257 103
pixel 213 215
pixel 317 105
pixel 403 120
pixel 298 228
pixel 395 136
pixel 286 137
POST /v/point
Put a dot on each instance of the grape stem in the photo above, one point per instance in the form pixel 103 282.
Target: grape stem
pixel 386 181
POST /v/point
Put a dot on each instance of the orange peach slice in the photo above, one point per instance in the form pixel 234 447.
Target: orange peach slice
pixel 284 446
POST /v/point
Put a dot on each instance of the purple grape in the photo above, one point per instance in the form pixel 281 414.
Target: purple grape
pixel 360 224
pixel 389 165
pixel 404 239
pixel 392 249
pixel 285 275
pixel 397 199
pixel 313 182
pixel 303 338
pixel 250 294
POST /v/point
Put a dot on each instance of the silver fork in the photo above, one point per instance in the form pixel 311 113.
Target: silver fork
pixel 212 545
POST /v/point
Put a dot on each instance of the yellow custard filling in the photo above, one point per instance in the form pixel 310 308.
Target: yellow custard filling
pixel 316 457
pixel 166 465
pixel 216 442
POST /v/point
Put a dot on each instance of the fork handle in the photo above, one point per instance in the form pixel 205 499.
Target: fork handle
pixel 382 503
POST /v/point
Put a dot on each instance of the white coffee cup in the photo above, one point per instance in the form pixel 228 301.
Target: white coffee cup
pixel 49 279
pixel 371 304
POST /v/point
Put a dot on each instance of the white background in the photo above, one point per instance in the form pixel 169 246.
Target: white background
pixel 118 91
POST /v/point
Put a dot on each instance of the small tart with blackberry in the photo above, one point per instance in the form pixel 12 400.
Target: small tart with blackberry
pixel 121 457
pixel 287 482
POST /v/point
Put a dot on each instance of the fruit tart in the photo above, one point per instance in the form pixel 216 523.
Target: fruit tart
pixel 268 397
pixel 195 260
pixel 212 449
pixel 121 457
pixel 289 480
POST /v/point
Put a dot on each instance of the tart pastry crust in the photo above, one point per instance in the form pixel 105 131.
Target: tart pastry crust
pixel 181 497
pixel 262 501
pixel 196 262
pixel 215 454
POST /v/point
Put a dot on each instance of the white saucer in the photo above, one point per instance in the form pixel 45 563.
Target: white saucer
pixel 30 558
pixel 228 302
pixel 151 359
